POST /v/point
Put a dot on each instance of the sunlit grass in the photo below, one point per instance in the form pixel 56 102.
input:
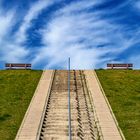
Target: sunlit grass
pixel 122 88
pixel 16 90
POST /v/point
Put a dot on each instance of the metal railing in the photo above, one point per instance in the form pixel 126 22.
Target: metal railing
pixel 69 106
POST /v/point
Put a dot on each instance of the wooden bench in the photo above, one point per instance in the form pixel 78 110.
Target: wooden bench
pixel 119 66
pixel 17 66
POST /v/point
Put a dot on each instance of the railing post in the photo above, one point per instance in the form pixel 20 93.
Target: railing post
pixel 69 106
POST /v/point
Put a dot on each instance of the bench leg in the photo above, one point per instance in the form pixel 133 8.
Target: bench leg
pixel 10 67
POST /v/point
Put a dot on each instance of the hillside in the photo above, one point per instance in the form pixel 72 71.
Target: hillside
pixel 122 88
pixel 16 90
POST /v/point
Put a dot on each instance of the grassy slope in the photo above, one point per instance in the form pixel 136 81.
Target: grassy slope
pixel 16 90
pixel 122 88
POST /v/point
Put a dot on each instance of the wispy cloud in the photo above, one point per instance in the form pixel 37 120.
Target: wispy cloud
pixel 137 4
pixel 6 23
pixel 85 36
pixel 8 50
pixel 33 12
pixel 11 49
pixel 135 60
pixel 87 31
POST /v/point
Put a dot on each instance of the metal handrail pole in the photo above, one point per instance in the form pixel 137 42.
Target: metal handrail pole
pixel 69 106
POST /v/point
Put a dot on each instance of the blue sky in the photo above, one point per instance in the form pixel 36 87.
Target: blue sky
pixel 91 32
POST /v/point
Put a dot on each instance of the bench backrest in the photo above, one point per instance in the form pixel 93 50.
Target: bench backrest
pixel 17 65
pixel 119 65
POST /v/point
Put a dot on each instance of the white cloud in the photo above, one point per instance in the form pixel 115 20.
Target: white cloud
pixel 72 31
pixel 79 36
pixel 80 5
pixel 11 48
pixel 135 61
pixel 33 13
pixel 136 4
pixel 13 53
pixel 9 51
pixel 6 23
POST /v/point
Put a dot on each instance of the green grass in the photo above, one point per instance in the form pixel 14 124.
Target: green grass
pixel 122 88
pixel 16 90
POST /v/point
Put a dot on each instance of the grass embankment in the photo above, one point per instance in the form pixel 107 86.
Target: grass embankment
pixel 16 90
pixel 122 88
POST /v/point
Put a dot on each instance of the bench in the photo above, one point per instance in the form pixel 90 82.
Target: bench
pixel 17 66
pixel 119 66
